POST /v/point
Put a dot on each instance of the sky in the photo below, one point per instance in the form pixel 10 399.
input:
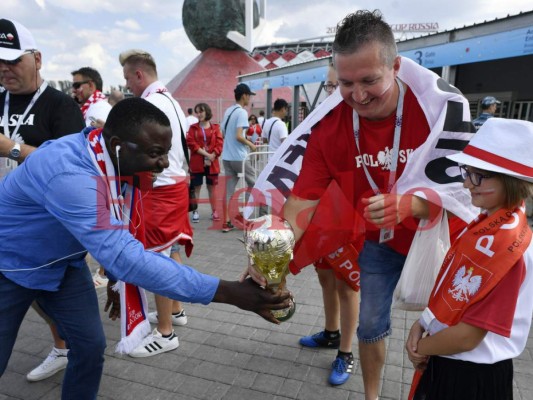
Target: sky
pixel 78 33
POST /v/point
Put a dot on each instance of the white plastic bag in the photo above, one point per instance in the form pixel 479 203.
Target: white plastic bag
pixel 422 265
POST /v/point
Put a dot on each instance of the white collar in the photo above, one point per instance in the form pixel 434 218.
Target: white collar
pixel 154 87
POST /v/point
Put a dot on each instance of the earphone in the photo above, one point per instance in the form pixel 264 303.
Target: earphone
pixel 117 152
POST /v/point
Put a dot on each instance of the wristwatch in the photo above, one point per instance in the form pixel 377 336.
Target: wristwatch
pixel 14 153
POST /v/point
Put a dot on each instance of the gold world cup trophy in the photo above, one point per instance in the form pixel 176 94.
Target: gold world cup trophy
pixel 269 242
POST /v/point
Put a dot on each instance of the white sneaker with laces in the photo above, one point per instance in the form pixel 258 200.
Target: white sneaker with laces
pixel 154 344
pixel 55 362
pixel 195 216
pixel 178 319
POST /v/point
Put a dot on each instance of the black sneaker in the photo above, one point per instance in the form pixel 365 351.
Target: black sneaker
pixel 227 226
pixel 320 340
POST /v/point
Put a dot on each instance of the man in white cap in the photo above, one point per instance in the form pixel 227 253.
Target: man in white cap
pixel 489 105
pixel 32 113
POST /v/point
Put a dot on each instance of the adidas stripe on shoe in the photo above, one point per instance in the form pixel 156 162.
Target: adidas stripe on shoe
pixel 342 368
pixel 155 344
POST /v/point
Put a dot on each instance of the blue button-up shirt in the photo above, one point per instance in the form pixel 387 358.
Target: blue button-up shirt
pixel 52 209
pixel 483 117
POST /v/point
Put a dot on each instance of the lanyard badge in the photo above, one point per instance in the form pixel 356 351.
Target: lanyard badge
pixel 385 234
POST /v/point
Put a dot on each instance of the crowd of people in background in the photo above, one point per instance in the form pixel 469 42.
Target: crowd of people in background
pixel 167 153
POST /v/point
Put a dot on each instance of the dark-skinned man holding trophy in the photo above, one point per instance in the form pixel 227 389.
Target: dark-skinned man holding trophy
pixel 81 193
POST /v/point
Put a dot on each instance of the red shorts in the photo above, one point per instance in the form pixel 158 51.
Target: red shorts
pixel 344 263
pixel 166 216
pixel 322 264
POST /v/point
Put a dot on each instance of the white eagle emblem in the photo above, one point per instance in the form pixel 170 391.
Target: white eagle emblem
pixel 464 284
pixel 385 158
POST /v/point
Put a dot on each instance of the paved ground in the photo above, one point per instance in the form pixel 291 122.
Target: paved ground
pixel 229 354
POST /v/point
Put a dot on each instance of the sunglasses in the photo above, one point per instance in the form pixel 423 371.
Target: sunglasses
pixel 475 177
pixel 77 85
pixel 16 60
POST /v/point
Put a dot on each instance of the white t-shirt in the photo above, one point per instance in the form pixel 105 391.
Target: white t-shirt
pixel 275 131
pixel 166 103
pixel 191 119
pixel 99 110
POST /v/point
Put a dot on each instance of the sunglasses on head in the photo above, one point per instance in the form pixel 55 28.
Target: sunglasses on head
pixel 77 85
pixel 17 60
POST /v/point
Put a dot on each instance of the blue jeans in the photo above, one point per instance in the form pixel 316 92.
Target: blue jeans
pixel 74 309
pixel 381 267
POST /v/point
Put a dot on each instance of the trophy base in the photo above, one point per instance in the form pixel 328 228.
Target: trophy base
pixel 285 313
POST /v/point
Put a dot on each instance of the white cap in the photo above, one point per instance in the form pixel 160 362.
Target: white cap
pixel 503 146
pixel 15 39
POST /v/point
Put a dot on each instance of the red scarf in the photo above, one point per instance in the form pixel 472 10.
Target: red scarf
pixel 344 262
pixel 94 98
pixel 127 208
pixel 478 261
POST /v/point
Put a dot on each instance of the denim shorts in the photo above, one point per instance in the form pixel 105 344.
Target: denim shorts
pixel 381 267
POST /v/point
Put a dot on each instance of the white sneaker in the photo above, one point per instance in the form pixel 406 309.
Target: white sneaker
pixel 178 319
pixel 154 344
pixel 55 362
pixel 195 216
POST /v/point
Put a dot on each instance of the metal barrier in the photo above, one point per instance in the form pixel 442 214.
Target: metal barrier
pixel 258 161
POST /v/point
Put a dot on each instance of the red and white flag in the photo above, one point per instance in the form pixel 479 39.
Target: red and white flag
pixel 448 115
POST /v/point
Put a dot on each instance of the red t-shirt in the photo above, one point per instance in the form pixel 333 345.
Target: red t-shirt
pixel 496 311
pixel 331 154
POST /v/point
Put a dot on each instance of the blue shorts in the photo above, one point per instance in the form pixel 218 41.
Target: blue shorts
pixel 381 267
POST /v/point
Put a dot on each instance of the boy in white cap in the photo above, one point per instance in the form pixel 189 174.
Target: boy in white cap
pixel 480 309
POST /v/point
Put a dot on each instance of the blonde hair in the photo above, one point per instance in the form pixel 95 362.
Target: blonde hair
pixel 516 190
pixel 138 59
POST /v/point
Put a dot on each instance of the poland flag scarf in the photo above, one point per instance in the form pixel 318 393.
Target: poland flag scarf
pixel 448 115
pixel 127 208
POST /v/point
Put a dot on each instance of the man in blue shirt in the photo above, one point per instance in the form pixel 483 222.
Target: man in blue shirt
pixel 489 105
pixel 236 146
pixel 58 205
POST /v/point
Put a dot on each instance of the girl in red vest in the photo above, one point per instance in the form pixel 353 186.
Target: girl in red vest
pixel 205 141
